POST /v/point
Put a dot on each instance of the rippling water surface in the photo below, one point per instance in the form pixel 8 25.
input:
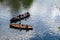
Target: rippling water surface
pixel 45 20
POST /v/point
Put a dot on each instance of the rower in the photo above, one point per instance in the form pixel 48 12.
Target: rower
pixel 28 13
pixel 26 26
pixel 19 24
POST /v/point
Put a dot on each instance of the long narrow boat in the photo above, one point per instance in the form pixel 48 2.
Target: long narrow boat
pixel 19 18
pixel 21 26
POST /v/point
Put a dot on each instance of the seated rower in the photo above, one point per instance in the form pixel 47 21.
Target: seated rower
pixel 27 26
pixel 19 16
pixel 19 24
pixel 27 14
pixel 22 16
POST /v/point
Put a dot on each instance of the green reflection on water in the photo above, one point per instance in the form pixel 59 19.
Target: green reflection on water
pixel 59 28
pixel 16 5
pixel 27 3
pixel 1 0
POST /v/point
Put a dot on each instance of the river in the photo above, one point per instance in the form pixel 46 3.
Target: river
pixel 45 20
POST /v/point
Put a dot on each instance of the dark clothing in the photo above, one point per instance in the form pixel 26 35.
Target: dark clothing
pixel 19 24
pixel 26 26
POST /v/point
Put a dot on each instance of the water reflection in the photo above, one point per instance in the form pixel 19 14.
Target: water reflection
pixel 16 5
pixel 23 29
pixel 7 9
pixel 43 19
pixel 26 3
pixel 1 0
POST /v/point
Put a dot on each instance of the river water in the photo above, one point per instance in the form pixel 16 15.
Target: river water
pixel 45 20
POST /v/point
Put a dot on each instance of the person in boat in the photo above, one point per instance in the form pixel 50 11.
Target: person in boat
pixel 26 26
pixel 28 13
pixel 19 16
pixel 19 24
pixel 22 16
